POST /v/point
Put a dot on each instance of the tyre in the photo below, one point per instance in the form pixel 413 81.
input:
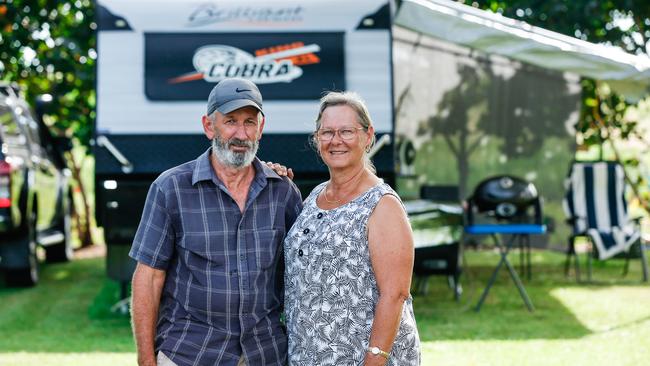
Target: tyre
pixel 62 252
pixel 24 246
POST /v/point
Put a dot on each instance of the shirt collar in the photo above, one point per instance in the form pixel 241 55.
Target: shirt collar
pixel 203 169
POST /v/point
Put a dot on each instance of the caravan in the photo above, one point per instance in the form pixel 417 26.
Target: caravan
pixel 456 94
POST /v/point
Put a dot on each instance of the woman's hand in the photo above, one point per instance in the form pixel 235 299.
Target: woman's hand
pixel 280 169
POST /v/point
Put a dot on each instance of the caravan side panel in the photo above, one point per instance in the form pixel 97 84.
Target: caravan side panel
pixel 463 116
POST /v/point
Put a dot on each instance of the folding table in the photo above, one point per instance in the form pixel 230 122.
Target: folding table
pixel 517 232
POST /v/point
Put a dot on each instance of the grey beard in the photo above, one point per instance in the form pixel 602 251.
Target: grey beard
pixel 237 160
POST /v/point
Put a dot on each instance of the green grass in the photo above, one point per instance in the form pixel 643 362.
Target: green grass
pixel 606 322
pixel 57 322
pixel 66 321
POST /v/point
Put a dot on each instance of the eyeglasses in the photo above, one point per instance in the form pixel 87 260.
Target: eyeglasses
pixel 346 133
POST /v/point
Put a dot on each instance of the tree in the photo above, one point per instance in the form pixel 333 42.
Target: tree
pixel 623 23
pixel 48 47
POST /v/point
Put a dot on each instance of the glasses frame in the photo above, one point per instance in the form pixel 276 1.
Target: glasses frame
pixel 337 131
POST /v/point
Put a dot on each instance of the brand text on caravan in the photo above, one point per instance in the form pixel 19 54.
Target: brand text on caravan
pixel 210 13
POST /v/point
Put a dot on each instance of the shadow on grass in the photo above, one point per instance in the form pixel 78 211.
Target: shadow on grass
pixel 504 315
pixel 61 313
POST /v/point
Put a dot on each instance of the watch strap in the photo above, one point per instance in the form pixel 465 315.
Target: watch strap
pixel 377 351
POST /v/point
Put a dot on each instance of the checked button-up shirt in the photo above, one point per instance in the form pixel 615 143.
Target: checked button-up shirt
pixel 223 293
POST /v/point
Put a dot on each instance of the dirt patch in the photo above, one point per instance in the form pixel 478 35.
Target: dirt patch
pixel 92 251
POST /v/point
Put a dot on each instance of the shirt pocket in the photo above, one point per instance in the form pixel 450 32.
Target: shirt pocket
pixel 196 249
pixel 264 245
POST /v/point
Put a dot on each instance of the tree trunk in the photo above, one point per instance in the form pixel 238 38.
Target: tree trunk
pixel 83 223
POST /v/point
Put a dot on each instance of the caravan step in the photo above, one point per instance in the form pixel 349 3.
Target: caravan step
pixel 50 237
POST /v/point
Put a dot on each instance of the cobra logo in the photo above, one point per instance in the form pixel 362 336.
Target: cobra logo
pixel 216 62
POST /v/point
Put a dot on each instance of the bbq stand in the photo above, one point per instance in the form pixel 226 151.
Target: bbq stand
pixel 519 233
pixel 507 201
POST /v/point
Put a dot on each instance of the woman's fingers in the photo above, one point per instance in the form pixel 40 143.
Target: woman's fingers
pixel 280 169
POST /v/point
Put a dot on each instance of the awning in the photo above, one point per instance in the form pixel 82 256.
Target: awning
pixel 493 33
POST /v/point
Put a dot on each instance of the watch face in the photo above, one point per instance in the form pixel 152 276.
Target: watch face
pixel 374 350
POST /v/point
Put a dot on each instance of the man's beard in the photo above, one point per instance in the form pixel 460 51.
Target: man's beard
pixel 234 159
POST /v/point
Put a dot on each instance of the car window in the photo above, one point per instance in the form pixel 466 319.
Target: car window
pixel 9 130
pixel 30 126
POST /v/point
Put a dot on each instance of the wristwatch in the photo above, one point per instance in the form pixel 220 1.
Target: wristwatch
pixel 378 352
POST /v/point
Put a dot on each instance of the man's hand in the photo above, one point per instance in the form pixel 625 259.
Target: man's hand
pixel 280 169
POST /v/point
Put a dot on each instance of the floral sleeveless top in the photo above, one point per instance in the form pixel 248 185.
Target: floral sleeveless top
pixel 330 288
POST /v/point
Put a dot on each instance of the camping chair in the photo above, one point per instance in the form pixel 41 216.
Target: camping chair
pixel 596 209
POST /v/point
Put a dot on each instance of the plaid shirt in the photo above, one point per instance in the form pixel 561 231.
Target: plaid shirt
pixel 223 292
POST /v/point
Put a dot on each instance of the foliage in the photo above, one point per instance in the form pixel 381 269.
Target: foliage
pixel 624 23
pixel 48 47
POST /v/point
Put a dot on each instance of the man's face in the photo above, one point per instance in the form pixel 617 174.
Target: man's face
pixel 235 136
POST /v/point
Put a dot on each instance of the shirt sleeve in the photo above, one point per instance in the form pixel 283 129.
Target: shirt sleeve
pixel 153 244
pixel 294 206
pixel 292 210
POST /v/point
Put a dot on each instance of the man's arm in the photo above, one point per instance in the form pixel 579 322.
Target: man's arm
pixel 153 248
pixel 147 287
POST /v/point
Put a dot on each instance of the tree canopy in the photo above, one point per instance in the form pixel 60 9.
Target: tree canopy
pixel 48 47
pixel 623 23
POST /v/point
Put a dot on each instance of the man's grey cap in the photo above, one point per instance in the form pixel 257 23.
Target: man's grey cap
pixel 234 93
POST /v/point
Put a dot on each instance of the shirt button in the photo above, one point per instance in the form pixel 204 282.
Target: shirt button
pixel 300 252
pixel 242 256
pixel 320 215
pixel 306 231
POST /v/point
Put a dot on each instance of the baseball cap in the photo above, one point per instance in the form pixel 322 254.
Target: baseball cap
pixel 234 93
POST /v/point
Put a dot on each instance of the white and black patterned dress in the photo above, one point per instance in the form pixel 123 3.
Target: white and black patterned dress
pixel 330 287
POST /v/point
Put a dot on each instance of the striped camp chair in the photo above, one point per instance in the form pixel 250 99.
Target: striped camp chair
pixel 596 208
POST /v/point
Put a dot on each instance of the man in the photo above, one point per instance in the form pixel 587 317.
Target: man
pixel 207 289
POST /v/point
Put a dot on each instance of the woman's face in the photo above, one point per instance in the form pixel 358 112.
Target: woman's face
pixel 341 139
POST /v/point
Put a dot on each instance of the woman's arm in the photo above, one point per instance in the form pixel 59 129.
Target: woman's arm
pixel 391 254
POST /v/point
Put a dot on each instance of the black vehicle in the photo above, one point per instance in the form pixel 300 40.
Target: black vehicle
pixel 35 201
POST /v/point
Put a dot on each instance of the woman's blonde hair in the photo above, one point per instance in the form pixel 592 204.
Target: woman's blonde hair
pixel 354 101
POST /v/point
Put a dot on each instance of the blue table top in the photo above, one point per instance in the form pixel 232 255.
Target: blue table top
pixel 506 229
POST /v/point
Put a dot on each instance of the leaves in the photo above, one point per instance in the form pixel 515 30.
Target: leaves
pixel 618 22
pixel 48 47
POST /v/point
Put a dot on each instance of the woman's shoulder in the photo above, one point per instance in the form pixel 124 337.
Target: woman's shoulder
pixel 382 190
pixel 388 210
pixel 384 198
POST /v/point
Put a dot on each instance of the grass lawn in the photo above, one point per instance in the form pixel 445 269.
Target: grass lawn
pixel 65 320
pixel 603 323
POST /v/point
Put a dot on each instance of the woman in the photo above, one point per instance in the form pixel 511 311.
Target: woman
pixel 349 255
